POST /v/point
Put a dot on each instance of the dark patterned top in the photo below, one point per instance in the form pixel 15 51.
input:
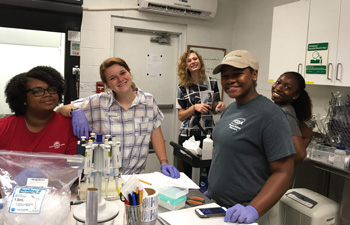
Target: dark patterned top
pixel 206 92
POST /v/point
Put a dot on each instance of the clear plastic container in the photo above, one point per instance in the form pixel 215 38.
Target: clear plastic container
pixel 323 156
pixel 172 198
pixel 172 192
pixel 339 158
pixel 173 204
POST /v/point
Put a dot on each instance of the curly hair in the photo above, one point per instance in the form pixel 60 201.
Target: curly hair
pixel 110 62
pixel 302 105
pixel 184 74
pixel 16 88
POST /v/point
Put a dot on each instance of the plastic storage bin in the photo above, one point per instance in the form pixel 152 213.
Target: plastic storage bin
pixel 172 204
pixel 172 198
pixel 172 192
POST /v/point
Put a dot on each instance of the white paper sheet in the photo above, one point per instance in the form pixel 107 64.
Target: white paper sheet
pixel 159 179
pixel 188 217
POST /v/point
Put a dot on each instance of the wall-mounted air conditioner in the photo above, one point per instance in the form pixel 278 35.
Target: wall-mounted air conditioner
pixel 301 206
pixel 201 9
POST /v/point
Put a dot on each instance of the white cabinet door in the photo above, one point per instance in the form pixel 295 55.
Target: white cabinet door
pixel 323 28
pixel 289 38
pixel 342 77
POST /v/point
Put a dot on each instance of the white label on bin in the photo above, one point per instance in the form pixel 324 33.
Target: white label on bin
pixel 27 200
pixel 37 182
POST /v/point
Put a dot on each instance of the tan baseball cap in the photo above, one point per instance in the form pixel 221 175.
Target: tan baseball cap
pixel 239 59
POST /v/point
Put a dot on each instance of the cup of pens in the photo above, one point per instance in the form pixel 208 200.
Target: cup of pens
pixel 141 204
pixel 133 202
pixel 133 214
pixel 139 209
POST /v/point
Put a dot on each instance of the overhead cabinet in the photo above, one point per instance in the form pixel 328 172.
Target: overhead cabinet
pixel 289 38
pixel 319 50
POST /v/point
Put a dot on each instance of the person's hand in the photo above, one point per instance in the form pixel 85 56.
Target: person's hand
pixel 33 172
pixel 239 213
pixel 80 124
pixel 220 107
pixel 206 194
pixel 170 171
pixel 202 108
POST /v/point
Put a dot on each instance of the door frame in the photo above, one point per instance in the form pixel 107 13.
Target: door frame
pixel 153 26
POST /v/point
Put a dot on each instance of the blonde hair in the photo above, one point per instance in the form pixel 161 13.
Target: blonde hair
pixel 110 62
pixel 184 74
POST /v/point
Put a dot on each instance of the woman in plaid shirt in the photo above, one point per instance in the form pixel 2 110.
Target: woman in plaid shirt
pixel 125 112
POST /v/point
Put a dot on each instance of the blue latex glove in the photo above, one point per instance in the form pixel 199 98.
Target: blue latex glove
pixel 80 124
pixel 239 213
pixel 170 171
pixel 33 172
pixel 206 194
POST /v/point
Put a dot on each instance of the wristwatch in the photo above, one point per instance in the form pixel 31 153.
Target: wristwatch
pixel 73 109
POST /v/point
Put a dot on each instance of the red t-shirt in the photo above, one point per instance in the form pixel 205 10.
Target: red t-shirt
pixel 56 137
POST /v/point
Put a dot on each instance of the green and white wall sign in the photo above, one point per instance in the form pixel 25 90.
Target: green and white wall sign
pixel 317 58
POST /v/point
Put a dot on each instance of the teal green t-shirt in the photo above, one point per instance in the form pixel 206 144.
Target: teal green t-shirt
pixel 246 139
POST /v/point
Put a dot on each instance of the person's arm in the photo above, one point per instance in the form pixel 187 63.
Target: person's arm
pixel 65 110
pixel 185 113
pixel 275 186
pixel 300 150
pixel 159 147
pixel 301 142
pixel 306 133
pixel 79 121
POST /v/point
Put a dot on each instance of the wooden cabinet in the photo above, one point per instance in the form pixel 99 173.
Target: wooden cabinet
pixel 288 39
pixel 324 56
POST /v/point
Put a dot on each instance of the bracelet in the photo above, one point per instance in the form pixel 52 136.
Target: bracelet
pixel 72 110
pixel 164 161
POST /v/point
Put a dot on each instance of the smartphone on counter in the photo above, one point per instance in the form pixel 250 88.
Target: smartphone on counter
pixel 210 212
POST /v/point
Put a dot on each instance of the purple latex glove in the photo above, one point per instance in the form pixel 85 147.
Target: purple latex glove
pixel 80 124
pixel 206 194
pixel 239 213
pixel 170 171
pixel 33 172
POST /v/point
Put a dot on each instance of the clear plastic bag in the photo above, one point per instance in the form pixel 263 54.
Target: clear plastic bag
pixel 35 187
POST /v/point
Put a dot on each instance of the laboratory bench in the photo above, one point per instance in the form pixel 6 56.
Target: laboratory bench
pixel 120 219
pixel 325 158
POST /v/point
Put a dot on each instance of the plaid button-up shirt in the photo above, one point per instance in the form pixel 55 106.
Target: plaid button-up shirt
pixel 133 128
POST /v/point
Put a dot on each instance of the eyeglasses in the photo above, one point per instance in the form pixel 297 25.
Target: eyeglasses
pixel 38 92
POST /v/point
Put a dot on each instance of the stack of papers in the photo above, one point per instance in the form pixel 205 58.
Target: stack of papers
pixel 158 179
pixel 188 217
